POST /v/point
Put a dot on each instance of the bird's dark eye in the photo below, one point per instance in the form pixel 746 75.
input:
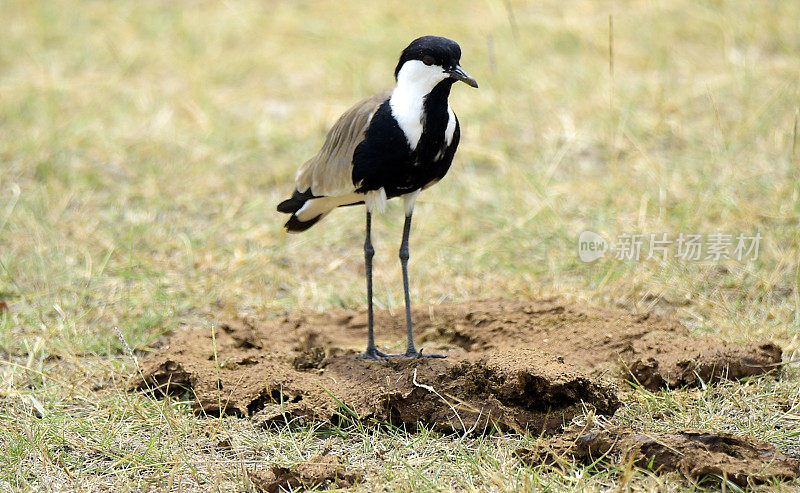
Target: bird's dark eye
pixel 428 60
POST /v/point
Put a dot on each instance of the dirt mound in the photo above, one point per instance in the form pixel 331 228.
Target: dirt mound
pixel 519 365
pixel 319 471
pixel 523 390
pixel 657 351
pixel 696 454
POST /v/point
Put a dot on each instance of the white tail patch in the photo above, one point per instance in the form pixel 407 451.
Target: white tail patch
pixel 322 205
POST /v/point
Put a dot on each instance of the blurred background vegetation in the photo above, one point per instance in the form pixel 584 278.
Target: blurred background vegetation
pixel 144 146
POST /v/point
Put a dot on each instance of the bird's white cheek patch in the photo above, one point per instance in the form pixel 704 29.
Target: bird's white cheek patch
pixel 414 81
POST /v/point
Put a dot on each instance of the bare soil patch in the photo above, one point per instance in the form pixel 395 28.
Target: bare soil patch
pixel 696 454
pixel 522 365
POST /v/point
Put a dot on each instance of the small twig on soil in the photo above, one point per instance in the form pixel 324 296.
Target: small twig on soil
pixel 431 389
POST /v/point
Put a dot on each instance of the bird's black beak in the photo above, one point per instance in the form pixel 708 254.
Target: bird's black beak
pixel 459 74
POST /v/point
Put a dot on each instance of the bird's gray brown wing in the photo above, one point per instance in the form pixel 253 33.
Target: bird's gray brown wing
pixel 329 172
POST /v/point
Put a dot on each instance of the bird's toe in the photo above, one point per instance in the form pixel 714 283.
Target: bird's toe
pixel 419 354
pixel 373 354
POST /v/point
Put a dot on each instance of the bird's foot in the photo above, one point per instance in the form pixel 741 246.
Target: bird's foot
pixel 373 354
pixel 413 353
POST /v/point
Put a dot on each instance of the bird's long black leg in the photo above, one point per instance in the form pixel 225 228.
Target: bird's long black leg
pixel 411 350
pixel 369 252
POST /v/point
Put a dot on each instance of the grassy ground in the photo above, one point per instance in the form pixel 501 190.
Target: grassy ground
pixel 144 145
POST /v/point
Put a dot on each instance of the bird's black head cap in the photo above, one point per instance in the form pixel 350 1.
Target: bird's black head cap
pixel 442 51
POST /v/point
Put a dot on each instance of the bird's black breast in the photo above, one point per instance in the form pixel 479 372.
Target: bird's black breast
pixel 384 159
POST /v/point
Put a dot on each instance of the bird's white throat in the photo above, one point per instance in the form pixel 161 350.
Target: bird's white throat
pixel 415 80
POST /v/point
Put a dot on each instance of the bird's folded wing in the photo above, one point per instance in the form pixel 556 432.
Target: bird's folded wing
pixel 329 172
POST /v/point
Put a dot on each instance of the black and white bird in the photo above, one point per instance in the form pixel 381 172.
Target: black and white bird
pixel 393 144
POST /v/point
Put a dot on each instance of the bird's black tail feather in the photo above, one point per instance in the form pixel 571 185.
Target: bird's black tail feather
pixel 293 204
pixel 294 225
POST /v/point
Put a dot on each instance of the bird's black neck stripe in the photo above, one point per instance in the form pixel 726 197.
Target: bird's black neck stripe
pixel 435 117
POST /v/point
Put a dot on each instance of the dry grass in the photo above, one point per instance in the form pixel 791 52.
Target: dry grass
pixel 144 145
